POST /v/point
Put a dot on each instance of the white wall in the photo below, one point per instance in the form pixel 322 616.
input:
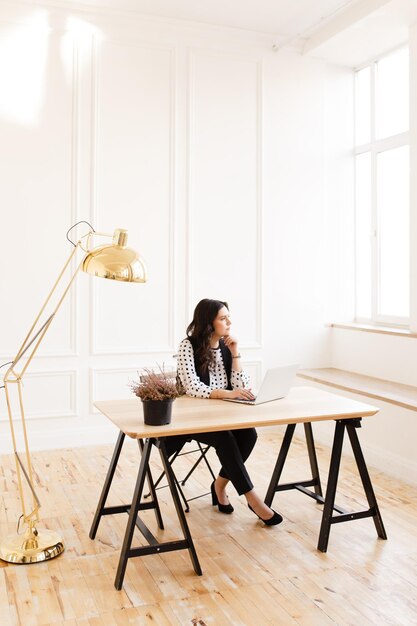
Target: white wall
pixel 294 252
pixel 386 356
pixel 212 150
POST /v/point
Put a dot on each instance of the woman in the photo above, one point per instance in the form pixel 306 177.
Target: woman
pixel 209 366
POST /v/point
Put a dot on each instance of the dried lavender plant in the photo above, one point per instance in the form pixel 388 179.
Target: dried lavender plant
pixel 155 385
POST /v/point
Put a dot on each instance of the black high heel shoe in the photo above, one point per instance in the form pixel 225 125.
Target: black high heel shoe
pixel 272 521
pixel 223 508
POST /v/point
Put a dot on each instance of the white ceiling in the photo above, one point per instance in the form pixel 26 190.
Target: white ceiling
pixel 348 32
pixel 285 19
pixel 367 37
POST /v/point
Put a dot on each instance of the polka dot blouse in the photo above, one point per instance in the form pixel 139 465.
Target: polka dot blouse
pixel 192 384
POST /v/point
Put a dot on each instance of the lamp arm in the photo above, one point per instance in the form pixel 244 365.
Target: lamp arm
pixel 32 342
pixel 29 342
pixel 28 337
pixel 88 236
pixel 97 232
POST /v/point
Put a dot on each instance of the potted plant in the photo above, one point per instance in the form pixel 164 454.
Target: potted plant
pixel 157 390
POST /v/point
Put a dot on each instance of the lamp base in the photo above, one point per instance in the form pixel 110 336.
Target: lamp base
pixel 32 547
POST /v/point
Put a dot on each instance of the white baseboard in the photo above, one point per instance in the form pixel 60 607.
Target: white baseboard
pixel 57 433
pixel 377 458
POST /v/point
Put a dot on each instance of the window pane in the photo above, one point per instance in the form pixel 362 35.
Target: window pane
pixel 363 240
pixel 394 225
pixel 363 106
pixel 392 94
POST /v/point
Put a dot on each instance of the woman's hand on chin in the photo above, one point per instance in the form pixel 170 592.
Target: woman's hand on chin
pixel 232 344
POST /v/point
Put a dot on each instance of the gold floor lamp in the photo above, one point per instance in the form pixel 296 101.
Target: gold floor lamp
pixel 114 261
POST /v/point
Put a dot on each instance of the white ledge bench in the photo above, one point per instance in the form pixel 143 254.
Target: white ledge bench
pixel 378 388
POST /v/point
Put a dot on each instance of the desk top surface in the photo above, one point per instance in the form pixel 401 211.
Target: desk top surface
pixel 193 415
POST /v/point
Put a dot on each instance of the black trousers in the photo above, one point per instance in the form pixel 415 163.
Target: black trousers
pixel 232 447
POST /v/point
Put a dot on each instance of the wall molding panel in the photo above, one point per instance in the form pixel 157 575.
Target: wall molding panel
pixel 109 383
pixel 254 369
pixel 166 57
pixel 194 200
pixel 47 394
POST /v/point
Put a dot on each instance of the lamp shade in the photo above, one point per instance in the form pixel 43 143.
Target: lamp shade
pixel 116 261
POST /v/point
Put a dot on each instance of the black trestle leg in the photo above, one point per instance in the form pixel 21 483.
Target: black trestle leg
pixel 366 481
pixel 107 484
pixel 127 542
pixel 279 465
pixel 313 458
pixel 326 519
pixel 152 491
pixel 180 512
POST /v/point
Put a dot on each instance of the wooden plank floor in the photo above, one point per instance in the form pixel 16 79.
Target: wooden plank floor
pixel 251 574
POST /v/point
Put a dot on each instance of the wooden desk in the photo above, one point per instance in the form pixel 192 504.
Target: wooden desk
pixel 303 405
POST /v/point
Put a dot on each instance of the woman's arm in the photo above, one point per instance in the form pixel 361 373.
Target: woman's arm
pixel 239 378
pixel 192 384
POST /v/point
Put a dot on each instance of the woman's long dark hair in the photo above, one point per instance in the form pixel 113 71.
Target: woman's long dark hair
pixel 201 329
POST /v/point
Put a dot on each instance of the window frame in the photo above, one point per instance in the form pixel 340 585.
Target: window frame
pixel 374 147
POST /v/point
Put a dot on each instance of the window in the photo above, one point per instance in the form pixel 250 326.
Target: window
pixel 382 190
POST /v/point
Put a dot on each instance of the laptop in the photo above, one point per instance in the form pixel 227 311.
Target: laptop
pixel 275 385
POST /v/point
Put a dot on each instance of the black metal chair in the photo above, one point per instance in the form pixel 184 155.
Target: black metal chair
pixel 202 450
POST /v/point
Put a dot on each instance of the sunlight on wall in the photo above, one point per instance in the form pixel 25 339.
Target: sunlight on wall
pixel 23 54
pixel 79 33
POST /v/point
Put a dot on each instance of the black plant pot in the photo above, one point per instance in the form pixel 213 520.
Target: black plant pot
pixel 157 412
